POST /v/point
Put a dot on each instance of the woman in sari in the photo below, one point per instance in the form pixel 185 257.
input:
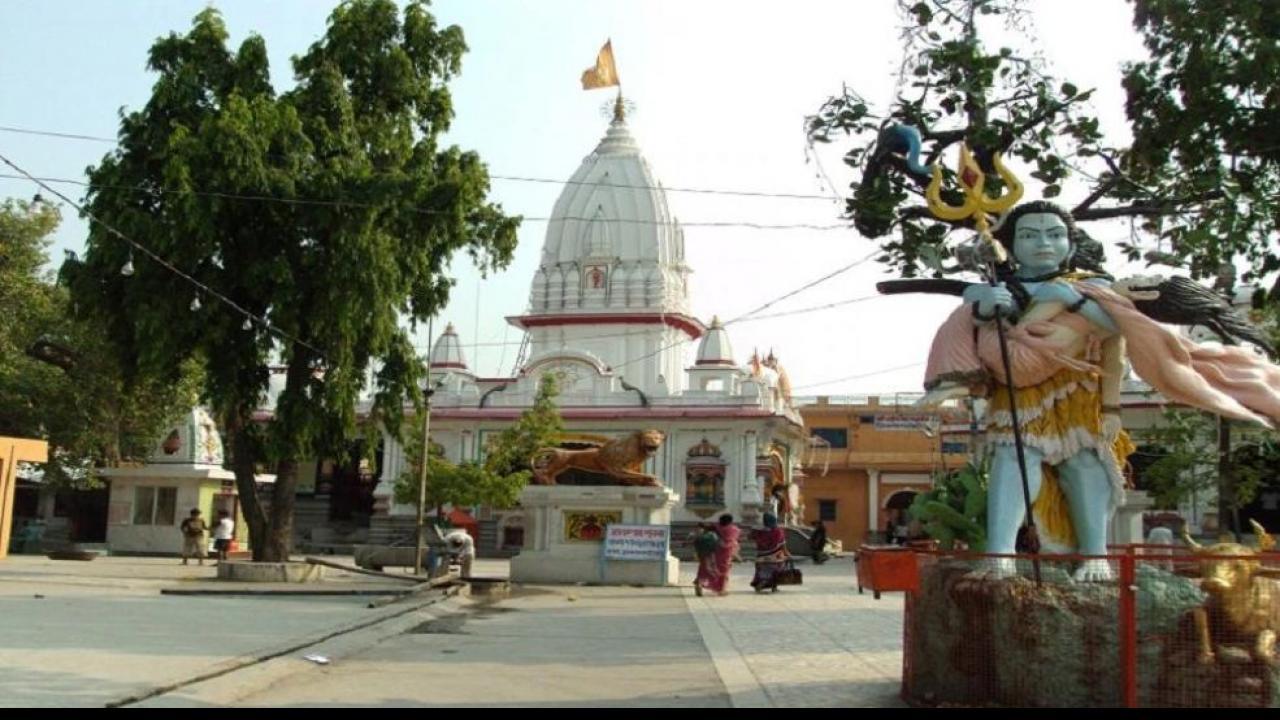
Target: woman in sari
pixel 771 554
pixel 714 567
pixel 705 543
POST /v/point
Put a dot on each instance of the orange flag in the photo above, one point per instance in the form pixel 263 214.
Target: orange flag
pixel 604 74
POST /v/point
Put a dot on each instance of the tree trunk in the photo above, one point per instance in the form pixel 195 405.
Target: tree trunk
pixel 975 104
pixel 242 463
pixel 1228 516
pixel 279 540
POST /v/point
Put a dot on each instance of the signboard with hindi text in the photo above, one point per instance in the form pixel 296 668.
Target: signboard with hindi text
pixel 637 542
pixel 902 422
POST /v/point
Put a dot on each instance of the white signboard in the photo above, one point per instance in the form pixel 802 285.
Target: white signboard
pixel 902 422
pixel 637 542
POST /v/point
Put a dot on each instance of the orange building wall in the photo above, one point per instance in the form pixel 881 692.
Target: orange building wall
pixel 849 489
pixel 871 449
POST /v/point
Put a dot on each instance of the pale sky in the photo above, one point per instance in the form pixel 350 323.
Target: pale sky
pixel 721 90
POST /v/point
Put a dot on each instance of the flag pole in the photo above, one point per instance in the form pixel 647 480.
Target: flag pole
pixel 619 109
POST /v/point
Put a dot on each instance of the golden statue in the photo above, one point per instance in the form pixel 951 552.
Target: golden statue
pixel 621 460
pixel 1242 606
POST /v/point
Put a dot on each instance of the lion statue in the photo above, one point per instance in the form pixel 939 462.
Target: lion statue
pixel 620 459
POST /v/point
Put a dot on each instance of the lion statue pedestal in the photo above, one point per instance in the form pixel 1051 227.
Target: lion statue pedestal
pixel 564 534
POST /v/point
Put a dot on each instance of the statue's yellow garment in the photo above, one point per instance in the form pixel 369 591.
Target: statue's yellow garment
pixel 1058 417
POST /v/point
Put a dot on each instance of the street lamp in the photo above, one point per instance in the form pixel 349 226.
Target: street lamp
pixel 423 472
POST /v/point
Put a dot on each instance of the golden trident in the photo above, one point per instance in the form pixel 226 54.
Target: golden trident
pixel 977 204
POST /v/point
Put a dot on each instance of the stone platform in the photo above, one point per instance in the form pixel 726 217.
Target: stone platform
pixel 564 534
pixel 274 572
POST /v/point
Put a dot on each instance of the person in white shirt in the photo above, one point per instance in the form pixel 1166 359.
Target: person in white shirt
pixel 461 544
pixel 222 534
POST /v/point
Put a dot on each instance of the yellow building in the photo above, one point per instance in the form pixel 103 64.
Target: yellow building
pixel 13 451
pixel 869 456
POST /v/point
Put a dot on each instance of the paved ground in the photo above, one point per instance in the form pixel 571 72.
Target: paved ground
pixel 817 645
pixel 102 632
pixel 89 633
pixel 820 644
pixel 553 647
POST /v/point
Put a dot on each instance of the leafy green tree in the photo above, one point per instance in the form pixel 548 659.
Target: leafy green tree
pixel 330 210
pixel 1182 457
pixel 955 89
pixel 1186 461
pixel 538 427
pixel 505 470
pixel 1205 114
pixel 28 302
pixel 59 378
pixel 461 485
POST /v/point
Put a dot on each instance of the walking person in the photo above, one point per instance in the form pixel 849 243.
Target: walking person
pixel 771 554
pixel 705 543
pixel 713 573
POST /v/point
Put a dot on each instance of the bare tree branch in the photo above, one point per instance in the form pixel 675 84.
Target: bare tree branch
pixel 1013 99
pixel 922 212
pixel 1012 134
pixel 943 140
pixel 1114 165
pixel 899 163
pixel 1170 207
pixel 1102 189
pixel 946 137
pixel 946 10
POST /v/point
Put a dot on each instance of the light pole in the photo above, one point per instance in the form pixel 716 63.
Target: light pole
pixel 971 408
pixel 424 471
pixel 932 429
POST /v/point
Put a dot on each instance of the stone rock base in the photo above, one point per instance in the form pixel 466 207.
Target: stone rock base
pixel 555 553
pixel 274 572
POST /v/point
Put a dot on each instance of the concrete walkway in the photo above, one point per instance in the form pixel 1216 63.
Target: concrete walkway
pixel 85 634
pixel 820 644
pixel 101 633
pixel 544 647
